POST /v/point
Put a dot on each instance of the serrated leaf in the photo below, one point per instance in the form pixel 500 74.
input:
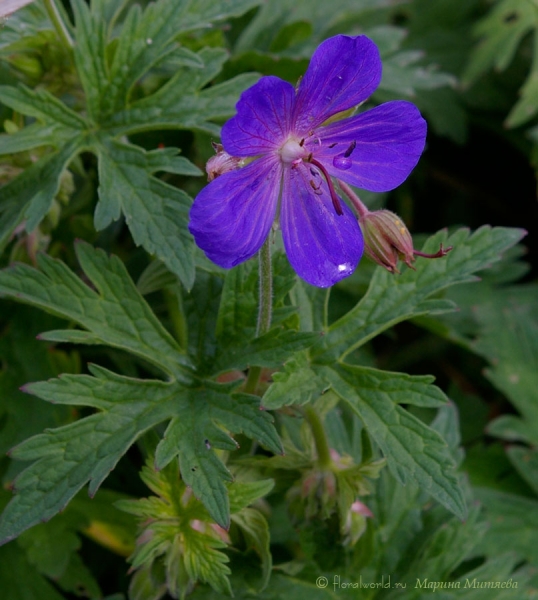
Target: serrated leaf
pixel 513 524
pixel 181 104
pixel 501 31
pixel 255 529
pixel 448 547
pixel 42 105
pixel 155 212
pixel 204 561
pixel 269 350
pixel 33 136
pixel 68 457
pixel 244 493
pixel 391 299
pixel 116 314
pixel 194 431
pixel 296 384
pixel 508 339
pixel 89 54
pixel 414 452
pixel 29 196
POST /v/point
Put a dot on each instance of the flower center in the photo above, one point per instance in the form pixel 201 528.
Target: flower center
pixel 291 151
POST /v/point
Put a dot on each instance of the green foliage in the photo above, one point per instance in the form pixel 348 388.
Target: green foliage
pixel 318 452
pixel 88 449
pixel 108 68
pixel 500 33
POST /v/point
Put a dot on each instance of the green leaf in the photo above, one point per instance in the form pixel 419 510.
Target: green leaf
pixel 513 524
pixel 501 31
pixel 448 547
pixel 155 212
pixel 394 298
pixel 296 384
pixel 68 457
pixel 31 137
pixel 20 580
pixel 255 529
pixel 52 547
pixel 146 39
pixel 508 339
pixel 194 431
pixel 525 460
pixel 402 72
pixel 42 105
pixel 22 416
pixel 115 314
pixel 269 350
pixel 237 347
pixel 414 451
pixel 29 196
pixel 181 103
pixel 89 53
pixel 244 493
pixel 204 561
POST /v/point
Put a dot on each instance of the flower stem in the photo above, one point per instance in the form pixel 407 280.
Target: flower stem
pixel 320 438
pixel 265 309
pixel 360 207
pixel 57 21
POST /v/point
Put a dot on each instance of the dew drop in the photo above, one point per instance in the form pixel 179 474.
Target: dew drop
pixel 149 41
pixel 342 162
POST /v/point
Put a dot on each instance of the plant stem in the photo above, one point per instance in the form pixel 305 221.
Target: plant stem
pixel 59 25
pixel 174 304
pixel 265 308
pixel 320 439
pixel 360 207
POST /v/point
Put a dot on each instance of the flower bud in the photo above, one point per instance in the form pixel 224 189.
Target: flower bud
pixel 387 239
pixel 221 163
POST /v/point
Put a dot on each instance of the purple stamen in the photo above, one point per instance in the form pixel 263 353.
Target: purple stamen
pixel 334 197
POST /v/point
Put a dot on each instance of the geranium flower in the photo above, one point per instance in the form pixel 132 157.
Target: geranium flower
pixel 296 152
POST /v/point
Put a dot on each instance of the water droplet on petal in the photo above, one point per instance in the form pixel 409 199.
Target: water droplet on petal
pixel 345 267
pixel 342 162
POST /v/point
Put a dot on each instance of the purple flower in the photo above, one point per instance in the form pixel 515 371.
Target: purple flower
pixel 295 153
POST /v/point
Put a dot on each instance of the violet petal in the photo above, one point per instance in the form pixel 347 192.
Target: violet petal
pixel 263 119
pixel 322 247
pixel 344 71
pixel 387 143
pixel 232 216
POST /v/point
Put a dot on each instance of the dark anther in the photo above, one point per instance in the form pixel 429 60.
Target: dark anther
pixel 314 172
pixel 332 145
pixel 352 147
pixel 301 143
pixel 315 187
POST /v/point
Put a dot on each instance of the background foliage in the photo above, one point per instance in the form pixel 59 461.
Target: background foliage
pixel 127 359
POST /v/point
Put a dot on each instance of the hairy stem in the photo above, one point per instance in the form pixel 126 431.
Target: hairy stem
pixel 265 308
pixel 359 206
pixel 57 21
pixel 320 438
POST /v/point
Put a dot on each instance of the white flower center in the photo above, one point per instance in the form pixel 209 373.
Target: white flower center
pixel 292 151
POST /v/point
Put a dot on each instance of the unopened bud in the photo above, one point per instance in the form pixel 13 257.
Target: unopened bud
pixel 387 240
pixel 221 163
